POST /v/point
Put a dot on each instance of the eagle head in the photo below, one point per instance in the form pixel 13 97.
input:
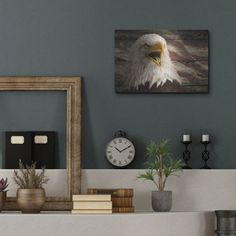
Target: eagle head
pixel 149 62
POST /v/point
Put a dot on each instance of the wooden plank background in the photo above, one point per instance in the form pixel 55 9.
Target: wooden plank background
pixel 188 51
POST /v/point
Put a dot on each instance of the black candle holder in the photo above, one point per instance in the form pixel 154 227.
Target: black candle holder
pixel 205 155
pixel 186 154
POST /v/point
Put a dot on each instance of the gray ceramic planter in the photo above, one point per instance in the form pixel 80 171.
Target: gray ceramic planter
pixel 161 200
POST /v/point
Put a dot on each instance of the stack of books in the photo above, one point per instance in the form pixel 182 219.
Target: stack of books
pixel 92 204
pixel 122 198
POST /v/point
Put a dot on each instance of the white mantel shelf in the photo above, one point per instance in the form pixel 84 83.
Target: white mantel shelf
pixel 138 224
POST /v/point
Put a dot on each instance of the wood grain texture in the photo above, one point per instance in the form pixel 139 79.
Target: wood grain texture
pixel 114 192
pixel 72 85
pixel 188 51
pixel 122 201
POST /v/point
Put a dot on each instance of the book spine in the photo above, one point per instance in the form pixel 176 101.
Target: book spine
pixel 113 192
pixel 91 211
pixel 122 201
pixel 123 209
pixel 91 197
pixel 92 205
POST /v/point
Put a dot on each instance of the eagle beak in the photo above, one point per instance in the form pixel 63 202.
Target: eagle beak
pixel 156 52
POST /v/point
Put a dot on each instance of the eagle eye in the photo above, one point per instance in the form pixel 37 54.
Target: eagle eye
pixel 145 46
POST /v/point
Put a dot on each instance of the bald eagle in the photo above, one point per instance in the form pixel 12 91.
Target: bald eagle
pixel 149 62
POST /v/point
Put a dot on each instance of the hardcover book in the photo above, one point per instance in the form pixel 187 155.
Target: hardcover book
pixel 92 205
pixel 123 209
pixel 116 192
pixel 91 211
pixel 30 146
pixel 122 201
pixel 91 197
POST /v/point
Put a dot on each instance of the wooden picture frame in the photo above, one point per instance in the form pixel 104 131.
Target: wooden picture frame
pixel 72 86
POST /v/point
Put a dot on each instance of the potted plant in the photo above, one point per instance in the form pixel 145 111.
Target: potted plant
pixel 3 192
pixel 30 194
pixel 160 166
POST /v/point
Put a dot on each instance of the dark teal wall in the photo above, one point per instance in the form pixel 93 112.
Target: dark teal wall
pixel 72 37
pixel 34 111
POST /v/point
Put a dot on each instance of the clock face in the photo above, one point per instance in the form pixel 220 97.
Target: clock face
pixel 120 152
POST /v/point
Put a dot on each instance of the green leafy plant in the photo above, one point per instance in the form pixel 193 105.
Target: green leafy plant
pixel 28 178
pixel 160 164
pixel 3 185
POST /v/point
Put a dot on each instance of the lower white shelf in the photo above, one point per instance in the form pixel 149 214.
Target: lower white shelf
pixel 138 224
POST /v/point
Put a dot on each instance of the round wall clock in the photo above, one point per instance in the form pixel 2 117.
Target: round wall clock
pixel 120 150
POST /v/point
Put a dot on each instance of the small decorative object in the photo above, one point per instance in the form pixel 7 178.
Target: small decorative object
pixel 92 204
pixel 186 137
pixel 160 166
pixel 122 198
pixel 186 154
pixel 30 194
pixel 38 146
pixel 3 192
pixel 120 150
pixel 161 61
pixel 205 138
pixel 225 221
pixel 205 154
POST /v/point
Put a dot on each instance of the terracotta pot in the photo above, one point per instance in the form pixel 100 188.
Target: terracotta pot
pixel 161 200
pixel 3 196
pixel 30 200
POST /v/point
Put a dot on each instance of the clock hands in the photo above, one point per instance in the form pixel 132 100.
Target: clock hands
pixel 117 149
pixel 125 148
pixel 122 149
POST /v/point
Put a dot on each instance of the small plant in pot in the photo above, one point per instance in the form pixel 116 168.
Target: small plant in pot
pixel 3 192
pixel 160 166
pixel 30 194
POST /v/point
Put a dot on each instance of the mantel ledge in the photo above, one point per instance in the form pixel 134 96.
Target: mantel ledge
pixel 68 213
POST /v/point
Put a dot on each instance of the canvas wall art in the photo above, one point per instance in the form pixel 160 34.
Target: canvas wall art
pixel 161 61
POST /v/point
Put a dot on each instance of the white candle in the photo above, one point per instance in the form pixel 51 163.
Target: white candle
pixel 205 138
pixel 186 138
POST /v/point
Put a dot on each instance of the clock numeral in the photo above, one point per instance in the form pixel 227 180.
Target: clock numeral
pixel 114 141
pixel 125 162
pixel 110 157
pixel 119 162
pixel 120 140
pixel 111 146
pixel 130 151
pixel 114 161
pixel 130 157
pixel 109 151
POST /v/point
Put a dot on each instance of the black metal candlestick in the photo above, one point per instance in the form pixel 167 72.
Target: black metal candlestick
pixel 186 154
pixel 205 155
